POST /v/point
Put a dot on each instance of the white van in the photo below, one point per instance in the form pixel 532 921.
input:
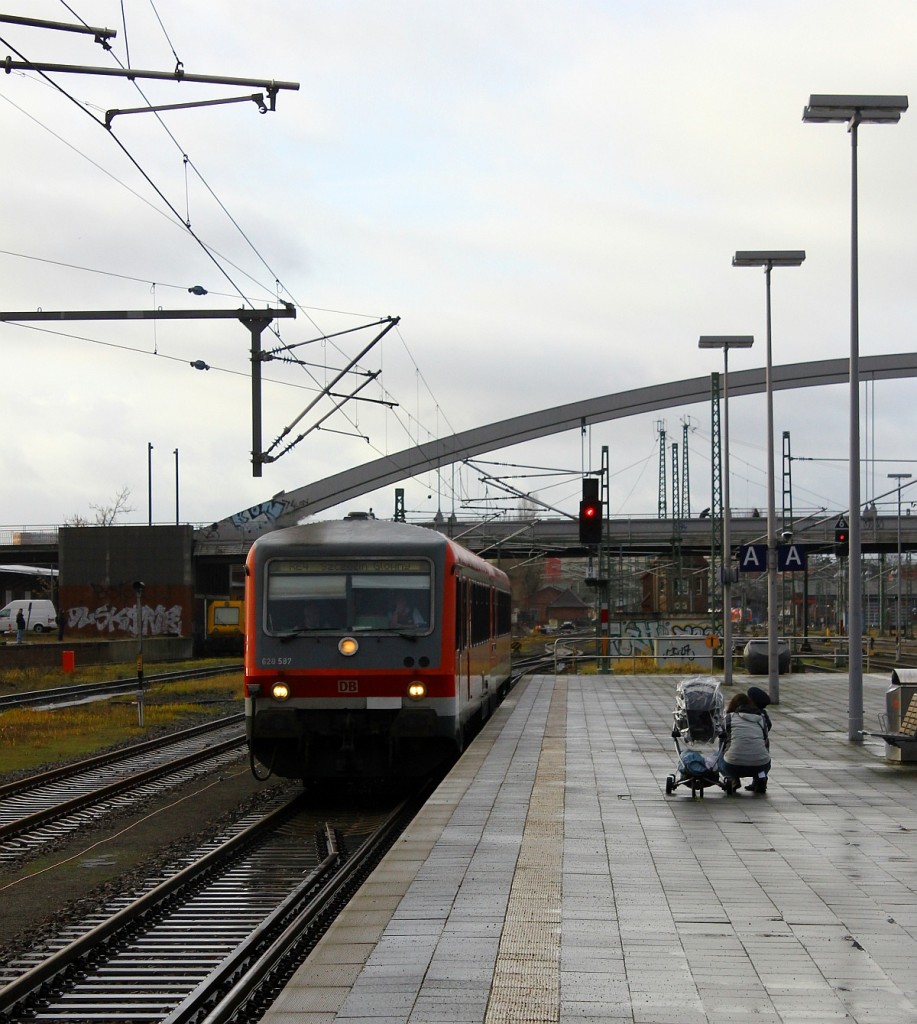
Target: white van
pixel 38 613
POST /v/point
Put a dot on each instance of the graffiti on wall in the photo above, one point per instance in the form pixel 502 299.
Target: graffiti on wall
pixel 268 511
pixel 637 637
pixel 155 621
pixel 690 653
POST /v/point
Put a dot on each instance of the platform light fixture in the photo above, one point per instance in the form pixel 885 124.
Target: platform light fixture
pixel 854 110
pixel 768 259
pixel 726 342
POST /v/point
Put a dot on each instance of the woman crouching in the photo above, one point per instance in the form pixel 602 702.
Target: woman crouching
pixel 745 746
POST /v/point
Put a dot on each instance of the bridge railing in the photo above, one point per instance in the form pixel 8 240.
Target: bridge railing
pixel 15 536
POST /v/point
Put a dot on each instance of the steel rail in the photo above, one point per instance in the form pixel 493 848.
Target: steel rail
pixel 75 691
pixel 29 984
pixel 32 821
pixel 114 756
pixel 242 987
pixel 242 971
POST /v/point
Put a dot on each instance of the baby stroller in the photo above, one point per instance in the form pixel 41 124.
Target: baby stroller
pixel 698 723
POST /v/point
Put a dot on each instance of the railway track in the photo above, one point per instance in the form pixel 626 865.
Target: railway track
pixel 824 654
pixel 60 695
pixel 45 808
pixel 219 934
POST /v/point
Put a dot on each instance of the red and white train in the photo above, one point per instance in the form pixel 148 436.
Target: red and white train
pixel 371 648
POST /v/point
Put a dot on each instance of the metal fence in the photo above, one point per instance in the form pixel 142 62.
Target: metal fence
pixel 672 650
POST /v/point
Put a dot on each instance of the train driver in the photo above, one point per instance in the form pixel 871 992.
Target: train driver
pixel 405 614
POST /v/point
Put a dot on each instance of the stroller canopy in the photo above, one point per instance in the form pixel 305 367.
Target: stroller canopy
pixel 698 709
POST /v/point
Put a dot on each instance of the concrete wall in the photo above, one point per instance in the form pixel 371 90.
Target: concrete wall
pixel 98 568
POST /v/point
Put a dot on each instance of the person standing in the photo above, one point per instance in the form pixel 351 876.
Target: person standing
pixel 20 626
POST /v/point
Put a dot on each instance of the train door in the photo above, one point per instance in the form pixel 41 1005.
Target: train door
pixel 462 639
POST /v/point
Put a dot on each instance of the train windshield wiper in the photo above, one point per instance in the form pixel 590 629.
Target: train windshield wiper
pixel 285 638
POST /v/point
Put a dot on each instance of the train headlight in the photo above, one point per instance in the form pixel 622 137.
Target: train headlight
pixel 280 691
pixel 348 646
pixel 417 690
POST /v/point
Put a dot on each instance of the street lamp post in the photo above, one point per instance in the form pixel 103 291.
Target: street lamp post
pixel 770 259
pixel 138 590
pixel 149 481
pixel 726 342
pixel 854 111
pixel 898 477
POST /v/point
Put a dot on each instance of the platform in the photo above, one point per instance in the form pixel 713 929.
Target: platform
pixel 550 878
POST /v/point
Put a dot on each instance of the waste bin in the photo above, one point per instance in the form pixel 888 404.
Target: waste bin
pixel 756 657
pixel 901 716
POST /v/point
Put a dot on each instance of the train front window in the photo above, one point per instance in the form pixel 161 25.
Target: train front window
pixel 226 616
pixel 324 595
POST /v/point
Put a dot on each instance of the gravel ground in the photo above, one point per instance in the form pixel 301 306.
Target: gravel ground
pixel 118 853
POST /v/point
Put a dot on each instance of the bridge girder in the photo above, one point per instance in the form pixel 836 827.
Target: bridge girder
pixel 288 508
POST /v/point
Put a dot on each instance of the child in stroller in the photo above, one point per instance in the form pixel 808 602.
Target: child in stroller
pixel 698 726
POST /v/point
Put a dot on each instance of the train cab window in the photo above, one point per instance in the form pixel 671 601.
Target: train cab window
pixel 392 601
pixel 334 595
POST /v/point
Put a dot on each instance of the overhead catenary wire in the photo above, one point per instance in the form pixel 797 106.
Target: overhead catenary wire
pixel 140 170
pixel 184 222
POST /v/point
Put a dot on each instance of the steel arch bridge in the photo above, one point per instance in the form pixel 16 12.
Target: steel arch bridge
pixel 287 508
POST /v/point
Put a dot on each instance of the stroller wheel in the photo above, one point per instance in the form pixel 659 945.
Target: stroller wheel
pixel 669 785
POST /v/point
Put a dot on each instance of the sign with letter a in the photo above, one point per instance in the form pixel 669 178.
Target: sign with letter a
pixel 791 558
pixel 752 558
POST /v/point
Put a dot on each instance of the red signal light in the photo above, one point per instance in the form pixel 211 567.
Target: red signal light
pixel 590 521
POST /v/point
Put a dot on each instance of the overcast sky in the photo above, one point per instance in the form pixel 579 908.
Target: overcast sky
pixel 548 196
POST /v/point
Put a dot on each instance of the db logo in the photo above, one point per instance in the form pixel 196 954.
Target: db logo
pixel 348 686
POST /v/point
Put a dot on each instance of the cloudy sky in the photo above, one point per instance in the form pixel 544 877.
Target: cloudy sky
pixel 548 196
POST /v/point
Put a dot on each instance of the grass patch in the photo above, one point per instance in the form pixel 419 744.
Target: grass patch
pixel 23 680
pixel 30 738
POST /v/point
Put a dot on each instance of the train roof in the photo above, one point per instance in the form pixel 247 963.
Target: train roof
pixel 371 536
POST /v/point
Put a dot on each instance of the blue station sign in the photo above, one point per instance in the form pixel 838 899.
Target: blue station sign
pixel 790 558
pixel 753 558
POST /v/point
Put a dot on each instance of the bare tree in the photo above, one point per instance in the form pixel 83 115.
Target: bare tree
pixel 105 515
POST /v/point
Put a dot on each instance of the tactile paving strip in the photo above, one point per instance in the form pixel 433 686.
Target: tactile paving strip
pixel 526 982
